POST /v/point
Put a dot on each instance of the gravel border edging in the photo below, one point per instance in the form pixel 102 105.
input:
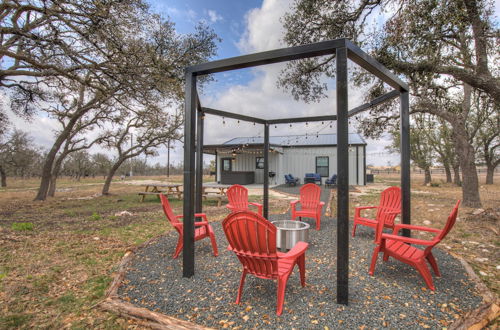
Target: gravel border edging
pixel 484 314
pixel 113 303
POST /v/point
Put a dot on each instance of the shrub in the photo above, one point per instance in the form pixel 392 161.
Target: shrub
pixel 95 216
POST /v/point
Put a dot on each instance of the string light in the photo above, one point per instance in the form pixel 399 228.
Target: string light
pixel 223 121
pixel 238 121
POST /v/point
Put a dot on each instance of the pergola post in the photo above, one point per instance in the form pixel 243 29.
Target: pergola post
pixel 266 171
pixel 199 161
pixel 342 179
pixel 189 175
pixel 405 160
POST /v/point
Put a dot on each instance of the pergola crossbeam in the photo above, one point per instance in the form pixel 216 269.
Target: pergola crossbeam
pixel 358 56
pixel 221 113
pixel 302 119
pixel 269 57
pixel 376 101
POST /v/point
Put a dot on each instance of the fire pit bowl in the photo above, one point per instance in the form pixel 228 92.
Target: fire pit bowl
pixel 290 232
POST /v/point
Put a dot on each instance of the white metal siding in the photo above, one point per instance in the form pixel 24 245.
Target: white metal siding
pixel 297 161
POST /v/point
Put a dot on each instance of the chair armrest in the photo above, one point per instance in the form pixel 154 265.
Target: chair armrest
pixel 296 251
pixel 320 205
pixel 201 215
pixel 294 202
pixel 357 210
pixel 408 240
pixel 255 204
pixel 400 226
pixel 294 205
pixel 365 207
pixel 200 223
pixel 259 207
pixel 196 215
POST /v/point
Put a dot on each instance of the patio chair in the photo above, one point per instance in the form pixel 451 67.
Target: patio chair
pixel 202 230
pixel 332 181
pixel 310 204
pixel 312 178
pixel 399 247
pixel 238 199
pixel 387 210
pixel 253 239
pixel 290 180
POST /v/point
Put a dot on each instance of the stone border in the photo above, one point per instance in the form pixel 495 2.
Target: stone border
pixel 143 316
pixel 486 312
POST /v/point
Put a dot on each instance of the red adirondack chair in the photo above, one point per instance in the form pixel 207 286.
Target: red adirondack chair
pixel 238 199
pixel 253 239
pixel 202 230
pixel 310 204
pixel 387 210
pixel 399 247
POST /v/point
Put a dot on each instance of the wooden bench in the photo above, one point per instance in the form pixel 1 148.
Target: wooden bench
pixel 143 194
pixel 215 194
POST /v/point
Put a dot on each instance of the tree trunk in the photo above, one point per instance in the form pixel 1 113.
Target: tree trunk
pixel 55 173
pixel 112 171
pixel 3 174
pixel 466 156
pixel 52 186
pixel 50 159
pixel 447 170
pixel 490 172
pixel 427 179
pixel 456 175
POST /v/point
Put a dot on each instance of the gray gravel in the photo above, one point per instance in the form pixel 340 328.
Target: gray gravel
pixel 396 297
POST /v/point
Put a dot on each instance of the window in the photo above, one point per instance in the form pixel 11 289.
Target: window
pixel 322 166
pixel 259 163
pixel 226 164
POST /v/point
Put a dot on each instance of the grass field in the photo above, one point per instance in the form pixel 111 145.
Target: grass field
pixel 57 257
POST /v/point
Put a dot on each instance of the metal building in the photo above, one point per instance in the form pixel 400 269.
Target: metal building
pixel 241 160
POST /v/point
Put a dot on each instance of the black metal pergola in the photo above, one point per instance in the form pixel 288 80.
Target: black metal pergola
pixel 194 123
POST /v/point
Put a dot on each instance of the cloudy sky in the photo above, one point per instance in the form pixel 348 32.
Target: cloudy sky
pixel 244 27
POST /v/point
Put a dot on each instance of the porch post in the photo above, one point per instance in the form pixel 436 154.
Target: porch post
pixel 405 160
pixel 189 172
pixel 266 171
pixel 342 179
pixel 199 161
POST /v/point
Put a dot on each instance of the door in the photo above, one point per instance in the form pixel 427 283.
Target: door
pixel 227 164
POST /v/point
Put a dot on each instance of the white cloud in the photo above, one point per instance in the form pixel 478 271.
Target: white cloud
pixel 213 16
pixel 264 29
pixel 261 97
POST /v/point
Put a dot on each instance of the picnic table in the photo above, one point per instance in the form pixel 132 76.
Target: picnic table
pixel 216 190
pixel 161 188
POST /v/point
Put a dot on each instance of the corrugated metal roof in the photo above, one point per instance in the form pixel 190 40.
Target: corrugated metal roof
pixel 297 140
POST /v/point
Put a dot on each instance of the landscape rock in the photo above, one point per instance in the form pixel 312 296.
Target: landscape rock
pixel 122 213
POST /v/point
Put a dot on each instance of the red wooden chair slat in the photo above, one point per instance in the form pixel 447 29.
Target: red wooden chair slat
pixel 387 210
pixel 399 247
pixel 238 199
pixel 202 230
pixel 253 239
pixel 311 205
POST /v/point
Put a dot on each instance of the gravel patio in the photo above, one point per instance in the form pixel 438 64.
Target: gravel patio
pixel 395 297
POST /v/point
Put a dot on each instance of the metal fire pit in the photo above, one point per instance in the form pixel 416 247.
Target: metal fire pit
pixel 290 232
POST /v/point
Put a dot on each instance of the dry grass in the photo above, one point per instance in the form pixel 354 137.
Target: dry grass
pixel 57 256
